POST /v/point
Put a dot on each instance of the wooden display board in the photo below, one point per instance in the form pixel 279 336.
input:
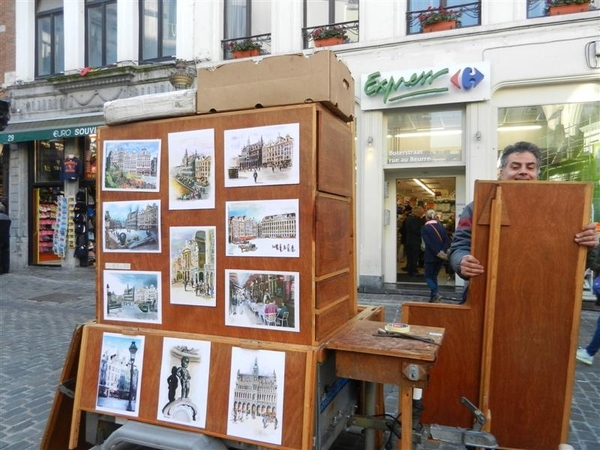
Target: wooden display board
pixel 321 289
pixel 511 346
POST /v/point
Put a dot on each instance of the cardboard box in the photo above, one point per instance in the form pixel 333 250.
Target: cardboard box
pixel 277 81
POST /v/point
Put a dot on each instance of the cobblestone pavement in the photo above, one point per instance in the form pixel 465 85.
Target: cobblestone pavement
pixel 41 306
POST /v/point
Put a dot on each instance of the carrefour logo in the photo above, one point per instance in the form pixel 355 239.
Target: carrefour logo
pixel 398 87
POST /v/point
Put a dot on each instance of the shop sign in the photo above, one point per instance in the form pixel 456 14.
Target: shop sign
pixel 453 83
pixel 50 129
pixel 422 156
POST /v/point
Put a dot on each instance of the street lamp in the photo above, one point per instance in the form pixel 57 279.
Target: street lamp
pixel 132 351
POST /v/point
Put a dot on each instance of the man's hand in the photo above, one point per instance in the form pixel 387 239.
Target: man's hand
pixel 470 267
pixel 587 237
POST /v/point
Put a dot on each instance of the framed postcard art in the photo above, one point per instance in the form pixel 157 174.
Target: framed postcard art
pixel 131 227
pixel 132 166
pixel 132 296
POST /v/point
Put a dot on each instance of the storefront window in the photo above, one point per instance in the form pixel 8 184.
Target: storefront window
pixel 91 157
pixel 567 134
pixel 48 161
pixel 418 137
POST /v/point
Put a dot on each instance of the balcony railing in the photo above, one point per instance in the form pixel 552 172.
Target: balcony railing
pixel 470 16
pixel 263 41
pixel 350 30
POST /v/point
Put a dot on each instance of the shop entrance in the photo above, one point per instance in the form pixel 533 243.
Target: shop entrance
pixel 438 194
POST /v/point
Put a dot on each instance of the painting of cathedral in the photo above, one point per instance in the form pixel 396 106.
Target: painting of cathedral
pixel 183 387
pixel 192 169
pixel 256 391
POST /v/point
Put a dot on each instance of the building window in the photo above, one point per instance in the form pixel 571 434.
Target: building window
pixel 158 29
pixel 247 21
pixel 101 33
pixel 49 156
pixel 322 15
pixel 49 38
pixel 469 13
pixel 424 137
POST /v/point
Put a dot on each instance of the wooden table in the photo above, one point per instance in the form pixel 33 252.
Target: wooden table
pixel 404 362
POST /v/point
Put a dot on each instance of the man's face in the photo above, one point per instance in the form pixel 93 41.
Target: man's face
pixel 520 166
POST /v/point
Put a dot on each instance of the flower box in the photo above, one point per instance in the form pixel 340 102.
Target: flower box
pixel 440 26
pixel 568 9
pixel 328 41
pixel 245 53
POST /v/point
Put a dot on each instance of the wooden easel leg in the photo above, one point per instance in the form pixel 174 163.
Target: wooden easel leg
pixel 406 401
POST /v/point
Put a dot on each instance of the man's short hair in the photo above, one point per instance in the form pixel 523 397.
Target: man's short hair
pixel 520 147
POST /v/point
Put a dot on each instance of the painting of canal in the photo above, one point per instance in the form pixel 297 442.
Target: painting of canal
pixel 132 296
pixel 263 228
pixel 132 227
pixel 262 156
pixel 193 262
pixel 191 169
pixel 131 165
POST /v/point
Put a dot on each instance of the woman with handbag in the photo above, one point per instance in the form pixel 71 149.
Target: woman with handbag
pixel 437 243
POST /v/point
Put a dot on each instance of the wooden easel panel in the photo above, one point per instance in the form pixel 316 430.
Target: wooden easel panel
pixel 298 383
pixel 538 301
pixel 333 161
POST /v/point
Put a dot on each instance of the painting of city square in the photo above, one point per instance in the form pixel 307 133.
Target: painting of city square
pixel 120 374
pixel 131 165
pixel 191 169
pixel 256 390
pixel 132 226
pixel 132 296
pixel 261 299
pixel 183 388
pixel 263 228
pixel 193 263
pixel 262 156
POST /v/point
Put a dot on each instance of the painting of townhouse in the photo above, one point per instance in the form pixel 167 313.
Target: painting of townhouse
pixel 131 227
pixel 256 390
pixel 262 299
pixel 262 156
pixel 263 228
pixel 192 169
pixel 131 165
pixel 132 296
pixel 183 386
pixel 193 262
pixel 120 374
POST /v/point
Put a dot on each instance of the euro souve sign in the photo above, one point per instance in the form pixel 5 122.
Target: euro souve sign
pixel 449 84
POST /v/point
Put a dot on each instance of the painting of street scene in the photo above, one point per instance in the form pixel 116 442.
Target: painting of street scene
pixel 263 228
pixel 120 374
pixel 132 226
pixel 193 262
pixel 132 296
pixel 183 389
pixel 256 390
pixel 191 169
pixel 262 156
pixel 261 299
pixel 131 165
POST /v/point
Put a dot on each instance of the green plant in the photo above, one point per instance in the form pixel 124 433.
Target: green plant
pixel 435 15
pixel 550 3
pixel 242 46
pixel 328 32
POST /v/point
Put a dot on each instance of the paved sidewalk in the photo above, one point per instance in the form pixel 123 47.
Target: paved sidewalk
pixel 40 307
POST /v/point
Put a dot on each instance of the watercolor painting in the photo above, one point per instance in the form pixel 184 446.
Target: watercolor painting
pixel 262 156
pixel 183 391
pixel 131 165
pixel 132 296
pixel 132 227
pixel 256 390
pixel 120 374
pixel 262 299
pixel 192 169
pixel 193 263
pixel 263 228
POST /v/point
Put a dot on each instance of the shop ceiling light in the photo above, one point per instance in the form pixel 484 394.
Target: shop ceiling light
pixel 429 133
pixel 520 128
pixel 424 186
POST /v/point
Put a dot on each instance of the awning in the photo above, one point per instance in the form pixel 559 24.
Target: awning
pixel 65 128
